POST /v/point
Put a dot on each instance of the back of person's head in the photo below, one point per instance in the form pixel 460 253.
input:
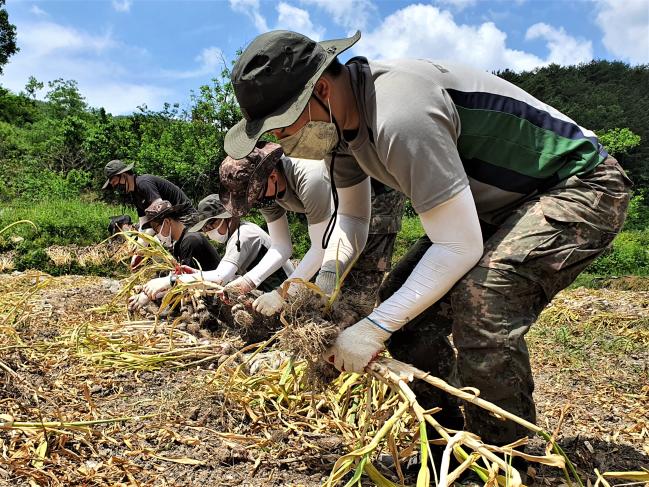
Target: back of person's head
pixel 119 223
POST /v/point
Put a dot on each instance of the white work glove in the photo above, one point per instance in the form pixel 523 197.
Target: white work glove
pixel 241 285
pixel 268 303
pixel 154 286
pixel 138 301
pixel 198 277
pixel 357 346
pixel 326 281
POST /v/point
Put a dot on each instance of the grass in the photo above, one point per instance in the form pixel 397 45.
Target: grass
pixel 579 331
pixel 354 409
pixel 64 237
pixel 76 222
pixel 61 222
pixel 410 232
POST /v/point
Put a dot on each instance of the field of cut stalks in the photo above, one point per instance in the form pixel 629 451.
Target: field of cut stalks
pixel 90 395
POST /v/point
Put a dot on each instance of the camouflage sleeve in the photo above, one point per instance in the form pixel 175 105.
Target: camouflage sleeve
pixel 387 209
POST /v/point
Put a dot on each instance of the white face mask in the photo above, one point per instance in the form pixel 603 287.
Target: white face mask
pixel 166 241
pixel 313 141
pixel 218 237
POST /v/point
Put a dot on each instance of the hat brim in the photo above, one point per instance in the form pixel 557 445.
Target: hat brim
pixel 238 205
pixel 241 139
pixel 171 212
pixel 127 168
pixel 199 226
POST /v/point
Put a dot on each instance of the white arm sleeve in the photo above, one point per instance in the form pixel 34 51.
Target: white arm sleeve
pixel 350 232
pixel 454 229
pixel 223 273
pixel 312 260
pixel 278 253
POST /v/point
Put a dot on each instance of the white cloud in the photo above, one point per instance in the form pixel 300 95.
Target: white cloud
pixel 122 5
pixel 209 58
pixel 47 37
pixel 36 10
pixel 459 4
pixel 49 51
pixel 251 9
pixel 626 28
pixel 564 49
pixel 298 20
pixel 427 31
pixel 289 17
pixel 351 14
pixel 123 97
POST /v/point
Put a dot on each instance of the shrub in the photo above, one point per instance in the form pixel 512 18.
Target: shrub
pixel 628 255
pixel 637 217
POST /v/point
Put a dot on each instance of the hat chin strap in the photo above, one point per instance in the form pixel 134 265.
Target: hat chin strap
pixel 334 192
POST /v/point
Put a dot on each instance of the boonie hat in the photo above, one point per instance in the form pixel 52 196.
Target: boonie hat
pixel 210 208
pixel 113 168
pixel 243 180
pixel 273 80
pixel 159 210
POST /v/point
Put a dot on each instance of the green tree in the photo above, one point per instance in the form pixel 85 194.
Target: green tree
pixel 619 141
pixel 64 98
pixel 186 145
pixel 32 86
pixel 7 37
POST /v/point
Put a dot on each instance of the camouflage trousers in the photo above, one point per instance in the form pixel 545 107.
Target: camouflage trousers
pixel 537 251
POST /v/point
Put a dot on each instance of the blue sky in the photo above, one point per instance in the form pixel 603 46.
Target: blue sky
pixel 126 53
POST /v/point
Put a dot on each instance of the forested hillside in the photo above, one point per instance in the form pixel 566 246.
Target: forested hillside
pixel 53 152
pixel 58 147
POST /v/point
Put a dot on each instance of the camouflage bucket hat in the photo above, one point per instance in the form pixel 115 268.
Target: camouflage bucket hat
pixel 273 80
pixel 210 208
pixel 160 210
pixel 243 180
pixel 113 168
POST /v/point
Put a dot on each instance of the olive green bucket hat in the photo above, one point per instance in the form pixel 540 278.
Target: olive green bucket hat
pixel 210 208
pixel 114 168
pixel 273 80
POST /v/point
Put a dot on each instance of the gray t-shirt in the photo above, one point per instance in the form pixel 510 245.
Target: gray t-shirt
pixel 253 240
pixel 407 135
pixel 431 128
pixel 308 191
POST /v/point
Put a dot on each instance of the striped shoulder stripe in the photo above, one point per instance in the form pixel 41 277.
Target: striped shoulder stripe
pixel 506 179
pixel 500 103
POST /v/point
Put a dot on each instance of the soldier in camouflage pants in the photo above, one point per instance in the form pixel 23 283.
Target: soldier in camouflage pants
pixel 362 283
pixel 533 254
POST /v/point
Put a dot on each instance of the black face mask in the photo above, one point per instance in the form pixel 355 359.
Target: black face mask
pixel 121 187
pixel 267 201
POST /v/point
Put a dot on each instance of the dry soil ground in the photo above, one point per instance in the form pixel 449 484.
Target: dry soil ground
pixel 61 362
